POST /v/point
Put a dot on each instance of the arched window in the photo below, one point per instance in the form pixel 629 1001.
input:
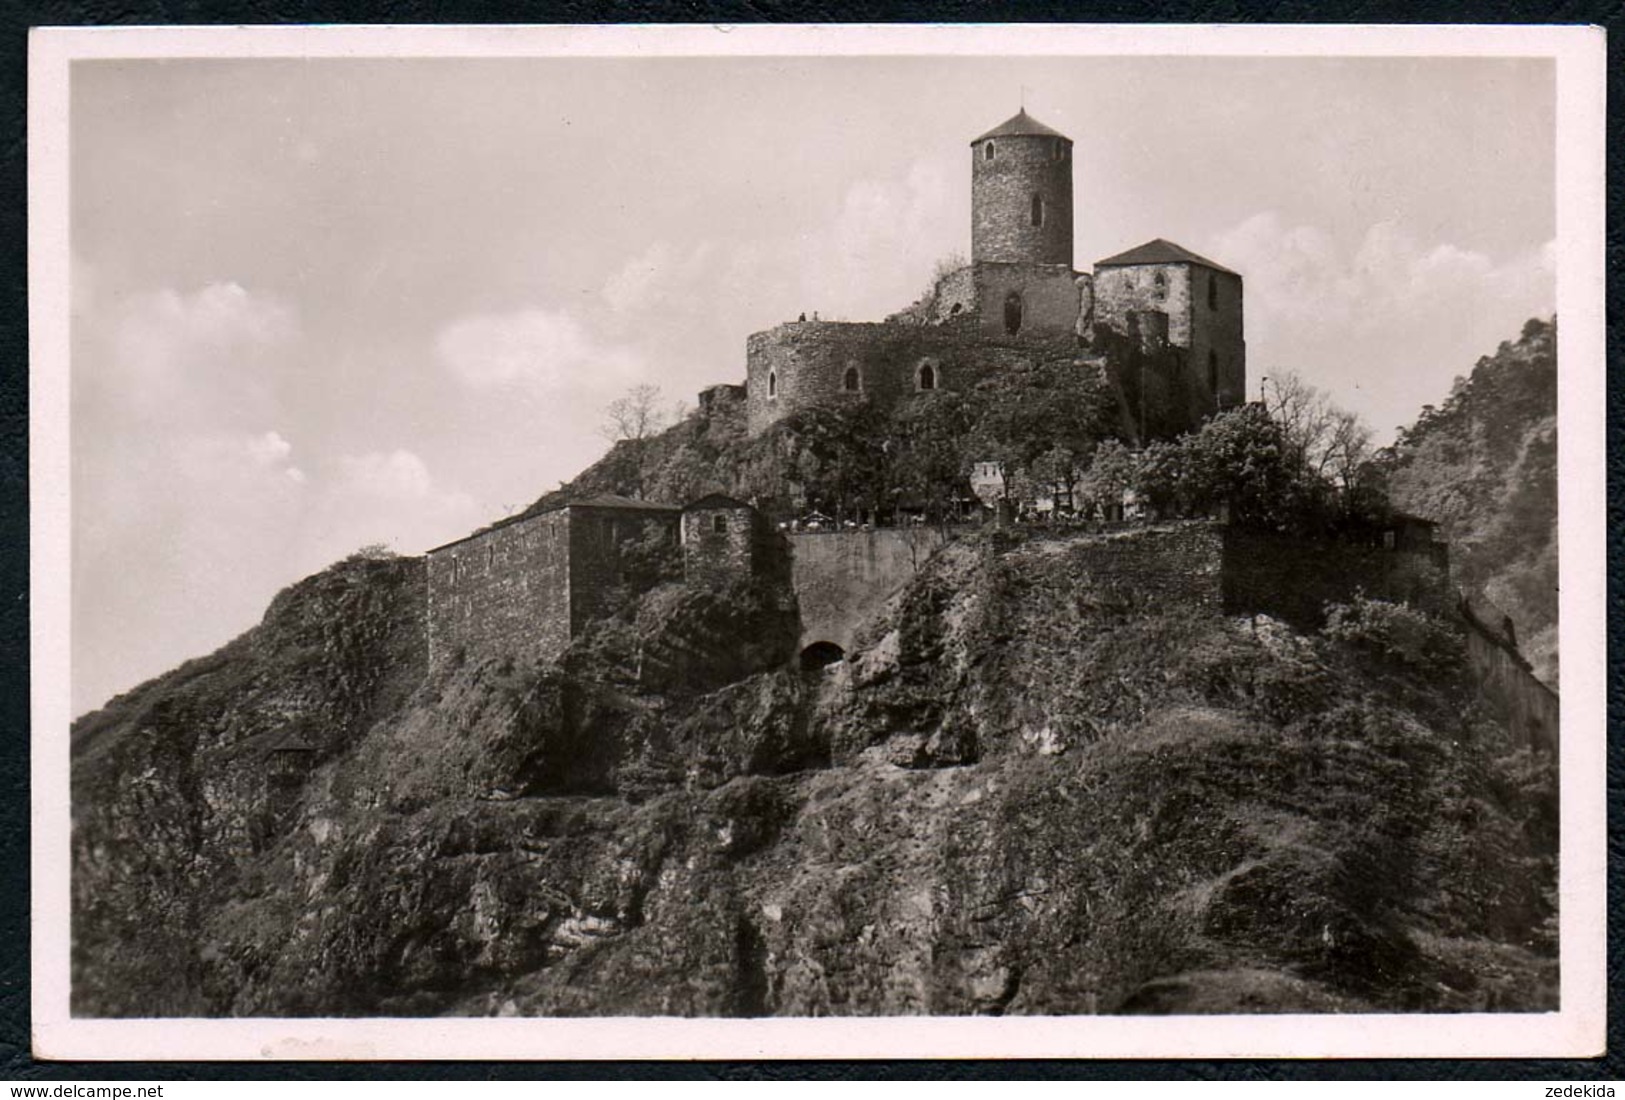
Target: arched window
pixel 1212 291
pixel 1159 286
pixel 927 376
pixel 773 383
pixel 1213 372
pixel 987 151
pixel 1038 209
pixel 1012 313
pixel 850 382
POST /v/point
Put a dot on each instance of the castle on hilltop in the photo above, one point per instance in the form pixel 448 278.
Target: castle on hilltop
pixel 1163 324
pixel 1160 323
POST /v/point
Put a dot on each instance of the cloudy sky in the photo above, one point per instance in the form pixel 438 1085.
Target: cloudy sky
pixel 321 304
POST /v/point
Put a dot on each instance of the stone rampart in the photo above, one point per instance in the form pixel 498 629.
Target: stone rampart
pixel 1293 579
pixel 841 578
pixel 1507 682
pixel 504 591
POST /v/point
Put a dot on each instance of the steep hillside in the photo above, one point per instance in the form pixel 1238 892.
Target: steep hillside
pixel 1021 793
pixel 1484 464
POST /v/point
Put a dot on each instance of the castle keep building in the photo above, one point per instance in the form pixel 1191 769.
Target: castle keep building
pixel 1161 322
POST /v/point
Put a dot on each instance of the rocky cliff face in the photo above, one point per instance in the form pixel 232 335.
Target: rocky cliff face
pixel 1018 794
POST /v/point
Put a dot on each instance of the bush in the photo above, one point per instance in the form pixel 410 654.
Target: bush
pixel 1397 633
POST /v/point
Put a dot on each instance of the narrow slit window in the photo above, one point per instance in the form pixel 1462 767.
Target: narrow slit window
pixel 1212 292
pixel 987 151
pixel 1213 372
pixel 772 383
pixel 850 382
pixel 1038 209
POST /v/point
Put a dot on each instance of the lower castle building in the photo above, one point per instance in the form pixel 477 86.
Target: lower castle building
pixel 527 586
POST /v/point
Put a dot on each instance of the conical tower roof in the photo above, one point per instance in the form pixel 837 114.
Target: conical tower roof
pixel 1021 124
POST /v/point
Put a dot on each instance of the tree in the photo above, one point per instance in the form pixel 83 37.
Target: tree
pixel 1113 470
pixel 636 416
pixel 1057 472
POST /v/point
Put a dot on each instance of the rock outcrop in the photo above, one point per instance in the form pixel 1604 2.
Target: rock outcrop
pixel 1016 794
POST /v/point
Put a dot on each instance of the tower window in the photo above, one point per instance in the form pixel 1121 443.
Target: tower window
pixel 772 383
pixel 719 524
pixel 1213 372
pixel 927 376
pixel 1012 313
pixel 1060 149
pixel 987 151
pixel 1159 286
pixel 1212 291
pixel 1038 209
pixel 849 382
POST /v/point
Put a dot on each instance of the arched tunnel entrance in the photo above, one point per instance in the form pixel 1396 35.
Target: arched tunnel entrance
pixel 820 655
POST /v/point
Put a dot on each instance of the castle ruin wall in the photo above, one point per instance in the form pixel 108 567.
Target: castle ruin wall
pixel 506 591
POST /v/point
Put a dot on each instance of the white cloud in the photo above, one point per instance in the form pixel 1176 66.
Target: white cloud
pixel 538 349
pixel 1384 323
pixel 878 253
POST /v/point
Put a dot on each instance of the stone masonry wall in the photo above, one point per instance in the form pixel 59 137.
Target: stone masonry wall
pixel 808 360
pixel 1049 297
pixel 506 591
pixel 1293 579
pixel 716 558
pixel 598 575
pixel 1121 291
pixel 1531 709
pixel 1217 329
pixel 1002 189
pixel 841 578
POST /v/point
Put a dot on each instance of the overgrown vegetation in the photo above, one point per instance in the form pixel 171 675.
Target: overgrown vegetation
pixel 1484 465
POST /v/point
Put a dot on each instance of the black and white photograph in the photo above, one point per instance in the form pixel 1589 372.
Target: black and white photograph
pixel 818 541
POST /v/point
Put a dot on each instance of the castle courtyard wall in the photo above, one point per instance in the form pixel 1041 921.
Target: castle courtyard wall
pixel 506 591
pixel 809 361
pixel 842 578
pixel 1293 579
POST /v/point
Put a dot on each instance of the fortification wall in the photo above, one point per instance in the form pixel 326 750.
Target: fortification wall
pixel 1123 291
pixel 841 578
pixel 719 545
pixel 1530 708
pixel 803 364
pixel 598 576
pixel 506 591
pixel 1048 292
pixel 1293 579
pixel 1218 349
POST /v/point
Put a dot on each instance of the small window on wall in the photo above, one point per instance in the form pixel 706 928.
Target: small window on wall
pixel 850 382
pixel 1212 292
pixel 927 378
pixel 772 383
pixel 719 525
pixel 1038 209
pixel 1012 313
pixel 1213 372
pixel 1159 286
pixel 987 151
pixel 1060 149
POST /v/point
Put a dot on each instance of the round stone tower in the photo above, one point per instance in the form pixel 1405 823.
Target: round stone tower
pixel 1021 194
